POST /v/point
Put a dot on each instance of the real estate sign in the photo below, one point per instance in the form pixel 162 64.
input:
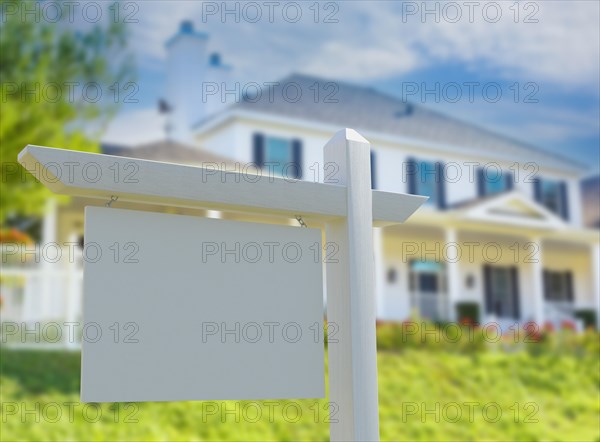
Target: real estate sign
pixel 188 308
pixel 181 307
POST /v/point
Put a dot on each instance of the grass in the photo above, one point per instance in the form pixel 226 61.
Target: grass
pixel 423 395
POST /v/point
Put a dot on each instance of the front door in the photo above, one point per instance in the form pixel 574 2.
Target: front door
pixel 501 292
pixel 427 281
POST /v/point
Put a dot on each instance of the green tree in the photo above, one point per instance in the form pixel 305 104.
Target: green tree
pixel 44 68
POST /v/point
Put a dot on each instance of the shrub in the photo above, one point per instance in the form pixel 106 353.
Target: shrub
pixel 588 316
pixel 467 312
pixel 461 338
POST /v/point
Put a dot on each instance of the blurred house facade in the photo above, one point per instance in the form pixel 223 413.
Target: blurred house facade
pixel 503 231
pixel 502 237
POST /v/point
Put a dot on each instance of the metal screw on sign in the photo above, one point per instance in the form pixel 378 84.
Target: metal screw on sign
pixel 300 221
pixel 112 200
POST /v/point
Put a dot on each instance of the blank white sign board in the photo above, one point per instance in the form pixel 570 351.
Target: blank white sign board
pixel 187 308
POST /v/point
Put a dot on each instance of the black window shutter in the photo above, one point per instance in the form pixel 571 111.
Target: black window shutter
pixel 258 149
pixel 564 201
pixel 411 172
pixel 441 185
pixel 546 283
pixel 537 189
pixel 373 171
pixel 508 180
pixel 480 182
pixel 514 276
pixel 297 156
pixel 569 283
pixel 487 287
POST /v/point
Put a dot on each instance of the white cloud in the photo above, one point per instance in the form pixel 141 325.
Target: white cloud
pixel 157 21
pixel 373 41
pixel 341 60
pixel 562 47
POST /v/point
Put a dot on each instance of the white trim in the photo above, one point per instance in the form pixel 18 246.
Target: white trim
pixel 537 280
pixel 454 276
pixel 483 212
pixel 595 263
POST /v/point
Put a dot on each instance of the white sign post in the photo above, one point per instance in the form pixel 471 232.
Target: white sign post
pixel 351 295
pixel 348 208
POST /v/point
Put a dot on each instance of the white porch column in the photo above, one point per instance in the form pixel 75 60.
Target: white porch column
pixel 406 295
pixel 452 271
pixel 537 282
pixel 49 231
pixel 379 272
pixel 595 262
pixel 74 288
pixel 45 298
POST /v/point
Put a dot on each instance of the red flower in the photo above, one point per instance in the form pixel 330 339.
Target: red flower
pixel 14 236
pixel 567 325
pixel 548 326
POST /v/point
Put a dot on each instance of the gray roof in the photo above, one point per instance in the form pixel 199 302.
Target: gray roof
pixel 364 108
pixel 166 150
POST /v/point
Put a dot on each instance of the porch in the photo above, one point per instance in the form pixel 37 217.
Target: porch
pixel 431 266
pixel 444 271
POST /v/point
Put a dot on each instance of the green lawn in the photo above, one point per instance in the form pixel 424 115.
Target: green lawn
pixel 540 397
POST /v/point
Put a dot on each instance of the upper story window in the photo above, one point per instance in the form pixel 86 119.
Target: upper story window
pixel 282 156
pixel 278 152
pixel 553 195
pixel 427 178
pixel 427 181
pixel 491 181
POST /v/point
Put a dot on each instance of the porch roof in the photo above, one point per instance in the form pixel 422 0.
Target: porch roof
pixel 167 151
pixel 510 213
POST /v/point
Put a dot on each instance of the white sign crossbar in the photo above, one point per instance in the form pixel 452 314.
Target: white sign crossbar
pixel 133 180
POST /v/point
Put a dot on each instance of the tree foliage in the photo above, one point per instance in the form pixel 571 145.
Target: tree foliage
pixel 51 74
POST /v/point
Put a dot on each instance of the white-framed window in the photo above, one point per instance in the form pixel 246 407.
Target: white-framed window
pixel 491 181
pixel 278 154
pixel 558 286
pixel 552 194
pixel 426 178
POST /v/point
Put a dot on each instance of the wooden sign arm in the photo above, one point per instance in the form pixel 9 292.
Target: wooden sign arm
pixel 212 187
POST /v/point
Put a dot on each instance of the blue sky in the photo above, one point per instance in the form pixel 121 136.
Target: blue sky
pixel 550 50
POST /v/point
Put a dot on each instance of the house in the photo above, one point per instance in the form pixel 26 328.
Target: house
pixel 501 239
pixel 503 228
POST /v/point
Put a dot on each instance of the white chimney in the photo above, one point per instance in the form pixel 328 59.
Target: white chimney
pixel 187 65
